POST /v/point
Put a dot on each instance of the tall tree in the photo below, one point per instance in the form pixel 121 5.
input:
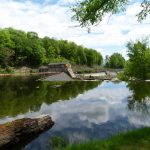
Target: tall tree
pixel 116 61
pixel 28 49
pixel 6 57
pixel 138 65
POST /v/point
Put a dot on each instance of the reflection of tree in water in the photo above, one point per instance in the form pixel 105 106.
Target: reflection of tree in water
pixel 23 94
pixel 141 96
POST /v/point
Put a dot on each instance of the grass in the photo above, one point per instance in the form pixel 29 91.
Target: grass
pixel 58 142
pixel 132 140
pixel 85 69
pixel 8 124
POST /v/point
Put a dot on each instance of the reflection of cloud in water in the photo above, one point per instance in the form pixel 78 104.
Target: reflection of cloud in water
pixel 108 92
pixel 92 106
pixel 95 111
pixel 139 118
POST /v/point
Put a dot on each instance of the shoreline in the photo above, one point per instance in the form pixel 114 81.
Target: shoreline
pixel 130 140
pixel 27 74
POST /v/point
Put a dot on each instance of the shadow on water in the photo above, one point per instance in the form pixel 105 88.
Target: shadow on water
pixel 140 96
pixel 19 95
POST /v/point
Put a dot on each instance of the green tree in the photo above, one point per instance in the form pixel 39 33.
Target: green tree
pixel 18 48
pixel 89 12
pixel 67 49
pixel 106 61
pixel 6 56
pixel 37 54
pixel 19 38
pixel 116 61
pixel 138 65
pixel 5 39
pixel 51 48
pixel 81 56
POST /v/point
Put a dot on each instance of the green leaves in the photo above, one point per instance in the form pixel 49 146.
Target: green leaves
pixel 115 61
pixel 145 5
pixel 89 12
pixel 18 48
pixel 138 65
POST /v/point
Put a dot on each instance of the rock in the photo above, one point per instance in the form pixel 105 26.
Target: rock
pixel 115 80
pixel 22 129
pixel 58 77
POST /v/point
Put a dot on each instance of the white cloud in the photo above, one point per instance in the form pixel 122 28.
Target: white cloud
pixel 54 20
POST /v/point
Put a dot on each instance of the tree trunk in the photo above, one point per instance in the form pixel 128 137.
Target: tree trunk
pixel 22 129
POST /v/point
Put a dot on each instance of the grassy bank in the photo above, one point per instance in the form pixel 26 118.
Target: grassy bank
pixel 17 71
pixel 76 69
pixel 86 69
pixel 133 140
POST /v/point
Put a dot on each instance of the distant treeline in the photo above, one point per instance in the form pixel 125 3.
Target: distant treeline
pixel 18 48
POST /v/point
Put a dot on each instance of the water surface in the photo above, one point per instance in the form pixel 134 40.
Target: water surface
pixel 81 111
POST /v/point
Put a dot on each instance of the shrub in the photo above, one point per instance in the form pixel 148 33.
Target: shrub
pixel 10 70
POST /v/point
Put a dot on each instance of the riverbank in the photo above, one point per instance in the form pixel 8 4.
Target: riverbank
pixel 132 140
pixel 55 76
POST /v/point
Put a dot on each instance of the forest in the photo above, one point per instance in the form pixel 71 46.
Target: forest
pixel 20 48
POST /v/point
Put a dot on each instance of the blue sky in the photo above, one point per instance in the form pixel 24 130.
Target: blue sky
pixel 53 18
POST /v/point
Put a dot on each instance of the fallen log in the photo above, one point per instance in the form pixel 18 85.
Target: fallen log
pixel 22 129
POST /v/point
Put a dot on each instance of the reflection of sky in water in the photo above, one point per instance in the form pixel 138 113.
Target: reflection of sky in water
pixel 97 113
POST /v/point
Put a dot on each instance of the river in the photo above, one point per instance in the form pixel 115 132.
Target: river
pixel 82 110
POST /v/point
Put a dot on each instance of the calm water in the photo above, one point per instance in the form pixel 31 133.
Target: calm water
pixel 81 110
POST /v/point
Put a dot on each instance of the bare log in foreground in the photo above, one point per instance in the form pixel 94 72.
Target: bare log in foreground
pixel 21 129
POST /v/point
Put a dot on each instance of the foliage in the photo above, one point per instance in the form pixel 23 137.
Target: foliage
pixel 86 69
pixel 18 48
pixel 122 76
pixel 10 70
pixel 138 65
pixel 145 10
pixel 132 140
pixel 89 12
pixel 115 61
pixel 6 56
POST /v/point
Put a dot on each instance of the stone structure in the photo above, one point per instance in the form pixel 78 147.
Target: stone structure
pixel 58 68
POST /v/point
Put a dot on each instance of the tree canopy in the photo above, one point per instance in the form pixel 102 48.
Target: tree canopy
pixel 89 12
pixel 115 61
pixel 138 65
pixel 18 48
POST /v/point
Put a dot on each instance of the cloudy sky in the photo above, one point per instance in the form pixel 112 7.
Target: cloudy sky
pixel 53 18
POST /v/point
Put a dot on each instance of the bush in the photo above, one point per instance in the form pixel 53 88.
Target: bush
pixel 9 70
pixel 122 76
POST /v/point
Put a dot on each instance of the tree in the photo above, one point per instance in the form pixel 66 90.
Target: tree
pixel 81 55
pixel 106 61
pixel 89 12
pixel 138 65
pixel 18 48
pixel 37 54
pixel 6 56
pixel 116 61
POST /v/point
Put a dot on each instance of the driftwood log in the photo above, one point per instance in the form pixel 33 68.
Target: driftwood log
pixel 22 129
